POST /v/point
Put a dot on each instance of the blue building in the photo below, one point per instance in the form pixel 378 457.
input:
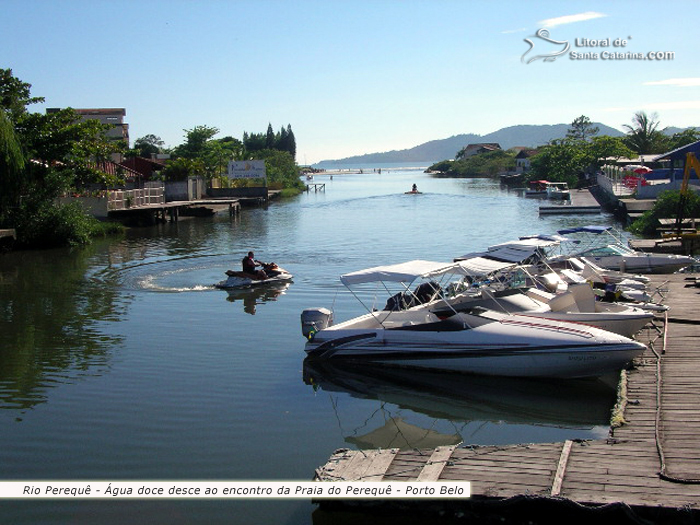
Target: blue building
pixel 676 158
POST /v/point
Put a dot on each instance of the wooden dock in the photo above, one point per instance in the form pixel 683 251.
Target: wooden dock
pixel 317 186
pixel 581 202
pixel 648 467
pixel 172 210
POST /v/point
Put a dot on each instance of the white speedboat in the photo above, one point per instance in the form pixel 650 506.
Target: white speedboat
pixel 486 342
pixel 558 191
pixel 612 254
pixel 234 279
pixel 537 189
pixel 577 304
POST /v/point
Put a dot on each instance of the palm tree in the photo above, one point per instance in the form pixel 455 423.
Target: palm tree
pixel 644 137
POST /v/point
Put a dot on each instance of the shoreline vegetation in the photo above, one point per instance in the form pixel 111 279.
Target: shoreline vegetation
pixel 582 153
pixel 46 156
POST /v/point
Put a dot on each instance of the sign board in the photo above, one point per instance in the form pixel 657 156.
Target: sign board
pixel 246 169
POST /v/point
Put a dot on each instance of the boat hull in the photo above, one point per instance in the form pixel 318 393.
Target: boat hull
pixel 624 324
pixel 239 281
pixel 516 346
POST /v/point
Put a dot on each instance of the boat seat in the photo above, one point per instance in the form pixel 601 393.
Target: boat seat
pixel 572 276
pixel 576 264
pixel 584 297
pixel 540 295
pixel 563 302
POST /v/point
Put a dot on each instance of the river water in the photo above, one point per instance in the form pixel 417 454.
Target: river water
pixel 120 361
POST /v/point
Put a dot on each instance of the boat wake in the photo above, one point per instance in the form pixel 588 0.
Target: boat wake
pixel 177 275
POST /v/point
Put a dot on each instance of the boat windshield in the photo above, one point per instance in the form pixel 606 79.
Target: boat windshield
pixel 604 251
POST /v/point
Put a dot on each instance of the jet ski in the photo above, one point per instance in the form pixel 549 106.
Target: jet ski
pixel 275 274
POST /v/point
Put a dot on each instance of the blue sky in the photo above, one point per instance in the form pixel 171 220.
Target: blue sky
pixel 352 77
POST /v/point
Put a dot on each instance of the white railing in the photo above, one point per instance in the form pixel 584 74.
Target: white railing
pixel 151 195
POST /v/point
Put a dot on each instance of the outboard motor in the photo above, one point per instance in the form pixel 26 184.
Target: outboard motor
pixel 315 319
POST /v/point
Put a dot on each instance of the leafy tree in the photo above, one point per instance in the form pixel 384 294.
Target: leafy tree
pixel 270 138
pixel 280 168
pixel 182 168
pixel 147 146
pixel 283 140
pixel 288 142
pixel 15 95
pixel 11 164
pixel 582 129
pixel 605 146
pixel 196 140
pixel 59 151
pixel 444 166
pixel 65 149
pixel 644 136
pixel 683 138
pixel 488 164
pixel 254 141
pixel 560 161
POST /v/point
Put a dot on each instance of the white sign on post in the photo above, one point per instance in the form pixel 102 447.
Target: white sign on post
pixel 246 169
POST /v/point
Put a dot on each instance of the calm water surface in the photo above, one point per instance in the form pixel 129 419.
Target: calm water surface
pixel 120 361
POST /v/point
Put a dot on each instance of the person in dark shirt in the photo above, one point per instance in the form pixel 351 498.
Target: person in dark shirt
pixel 250 263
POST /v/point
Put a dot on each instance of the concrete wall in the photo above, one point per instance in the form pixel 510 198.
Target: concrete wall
pixel 191 189
pixel 95 206
pixel 654 190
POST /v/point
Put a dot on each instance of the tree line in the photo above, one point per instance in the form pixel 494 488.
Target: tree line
pixel 201 154
pixel 42 157
pixel 582 150
pixel 46 156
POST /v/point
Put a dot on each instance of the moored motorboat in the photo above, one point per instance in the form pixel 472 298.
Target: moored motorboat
pixel 612 254
pixel 577 304
pixel 537 189
pixel 275 274
pixel 558 191
pixel 408 334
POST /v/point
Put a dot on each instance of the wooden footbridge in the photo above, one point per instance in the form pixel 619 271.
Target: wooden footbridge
pixel 648 468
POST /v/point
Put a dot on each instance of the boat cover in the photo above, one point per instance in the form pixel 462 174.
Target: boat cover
pixel 483 266
pixel 406 272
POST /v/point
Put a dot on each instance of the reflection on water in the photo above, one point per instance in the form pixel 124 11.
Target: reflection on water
pixel 455 400
pixel 254 296
pixel 49 323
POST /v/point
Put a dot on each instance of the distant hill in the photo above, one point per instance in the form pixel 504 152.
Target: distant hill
pixel 436 150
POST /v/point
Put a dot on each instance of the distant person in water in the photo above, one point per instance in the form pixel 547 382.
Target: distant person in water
pixel 415 188
pixel 250 263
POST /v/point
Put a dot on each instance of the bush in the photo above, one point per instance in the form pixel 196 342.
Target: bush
pixel 667 206
pixel 45 225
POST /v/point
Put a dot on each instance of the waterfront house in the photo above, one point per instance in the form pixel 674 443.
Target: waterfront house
pixel 522 160
pixel 475 149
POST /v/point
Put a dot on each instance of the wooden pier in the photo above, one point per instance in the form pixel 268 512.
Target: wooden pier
pixel 581 202
pixel 321 186
pixel 172 211
pixel 647 468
